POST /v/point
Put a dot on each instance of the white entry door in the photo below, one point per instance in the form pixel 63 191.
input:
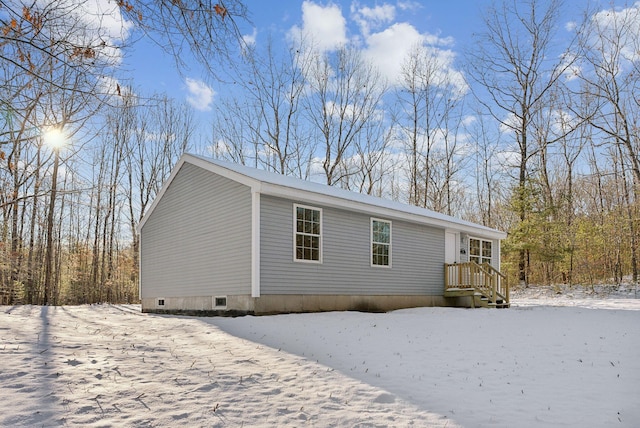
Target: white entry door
pixel 450 246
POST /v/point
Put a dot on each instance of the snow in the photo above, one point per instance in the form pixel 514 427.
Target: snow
pixel 547 361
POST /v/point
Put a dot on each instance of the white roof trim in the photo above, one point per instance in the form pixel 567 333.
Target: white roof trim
pixel 272 184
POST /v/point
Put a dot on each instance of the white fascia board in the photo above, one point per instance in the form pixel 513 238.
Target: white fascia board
pixel 336 202
pixel 194 160
pixel 221 171
pixel 164 188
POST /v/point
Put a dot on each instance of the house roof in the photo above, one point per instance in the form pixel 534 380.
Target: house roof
pixel 270 183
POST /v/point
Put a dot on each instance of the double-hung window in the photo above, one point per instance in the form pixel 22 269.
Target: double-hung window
pixel 380 242
pixel 308 233
pixel 479 250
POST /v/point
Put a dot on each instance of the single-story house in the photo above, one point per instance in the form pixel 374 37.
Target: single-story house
pixel 222 238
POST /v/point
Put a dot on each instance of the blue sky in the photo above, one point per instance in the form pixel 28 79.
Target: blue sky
pixel 449 23
pixel 383 29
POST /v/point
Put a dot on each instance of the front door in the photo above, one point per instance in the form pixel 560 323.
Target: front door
pixel 450 247
pixel 450 253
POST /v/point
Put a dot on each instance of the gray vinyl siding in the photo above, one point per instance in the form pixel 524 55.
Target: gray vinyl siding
pixel 197 241
pixel 417 255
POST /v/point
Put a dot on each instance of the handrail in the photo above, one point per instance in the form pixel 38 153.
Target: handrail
pixel 504 289
pixel 484 278
pixel 493 269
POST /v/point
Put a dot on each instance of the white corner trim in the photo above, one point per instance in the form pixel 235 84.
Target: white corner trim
pixel 255 243
pixel 139 264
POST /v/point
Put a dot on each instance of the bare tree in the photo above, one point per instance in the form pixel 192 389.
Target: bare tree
pixel 512 62
pixel 268 115
pixel 87 37
pixel 58 33
pixel 611 43
pixel 486 169
pixel 345 92
pixel 207 31
pixel 429 104
pixel 160 134
pixel 58 63
pixel 410 96
pixel 34 103
pixel 372 163
pixel 232 132
pixel 16 175
pixel 572 146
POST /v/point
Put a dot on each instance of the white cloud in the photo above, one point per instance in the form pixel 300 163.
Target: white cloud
pixel 446 74
pixel 573 67
pixel 105 14
pixel 509 124
pixel 435 40
pixel 506 159
pixel 106 28
pixel 388 49
pixel 111 86
pixel 383 42
pixel 409 5
pixel 323 26
pixel 219 149
pixel 339 112
pixel 200 94
pixel 469 120
pixel 250 39
pixel 384 13
pixel 369 18
pixel 562 121
pixel 609 22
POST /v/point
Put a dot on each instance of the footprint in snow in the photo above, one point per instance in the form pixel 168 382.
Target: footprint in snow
pixel 384 398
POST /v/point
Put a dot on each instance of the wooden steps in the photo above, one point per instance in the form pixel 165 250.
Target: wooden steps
pixel 483 284
pixel 478 298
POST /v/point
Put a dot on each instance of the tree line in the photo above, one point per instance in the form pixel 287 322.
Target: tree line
pixel 69 213
pixel 538 136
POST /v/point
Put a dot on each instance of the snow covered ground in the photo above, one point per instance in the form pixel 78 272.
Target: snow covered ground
pixel 548 361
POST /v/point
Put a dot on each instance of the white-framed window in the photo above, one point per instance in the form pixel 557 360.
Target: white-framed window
pixel 220 302
pixel 380 242
pixel 160 301
pixel 480 250
pixel 307 231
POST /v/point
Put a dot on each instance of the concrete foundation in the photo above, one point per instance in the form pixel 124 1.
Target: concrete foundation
pixel 278 304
